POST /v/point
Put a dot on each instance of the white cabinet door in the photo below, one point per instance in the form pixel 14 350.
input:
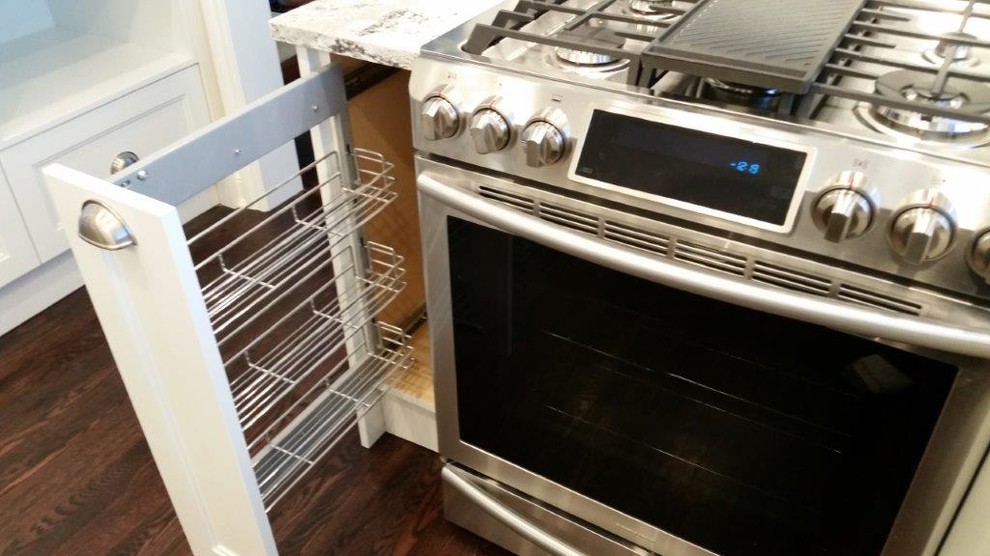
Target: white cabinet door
pixel 17 256
pixel 141 122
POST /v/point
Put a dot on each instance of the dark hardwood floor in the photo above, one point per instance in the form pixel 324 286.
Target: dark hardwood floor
pixel 76 476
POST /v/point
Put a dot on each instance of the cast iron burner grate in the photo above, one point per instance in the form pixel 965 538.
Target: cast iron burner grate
pixel 650 17
pixel 937 96
pixel 796 54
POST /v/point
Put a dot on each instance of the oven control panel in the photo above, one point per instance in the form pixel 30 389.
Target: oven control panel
pixel 860 202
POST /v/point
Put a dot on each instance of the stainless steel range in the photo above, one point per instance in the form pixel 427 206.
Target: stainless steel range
pixel 710 276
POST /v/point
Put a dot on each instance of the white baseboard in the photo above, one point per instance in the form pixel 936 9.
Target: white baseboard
pixel 410 419
pixel 37 290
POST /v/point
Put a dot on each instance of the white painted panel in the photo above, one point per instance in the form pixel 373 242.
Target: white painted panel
pixel 17 256
pixel 37 290
pixel 149 23
pixel 247 68
pixel 410 419
pixel 152 311
pixel 51 76
pixel 143 122
pixel 22 17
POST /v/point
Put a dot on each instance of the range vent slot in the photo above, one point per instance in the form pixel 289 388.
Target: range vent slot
pixel 699 255
pixel 710 258
pixel 862 296
pixel 515 201
pixel 637 239
pixel 791 279
pixel 568 218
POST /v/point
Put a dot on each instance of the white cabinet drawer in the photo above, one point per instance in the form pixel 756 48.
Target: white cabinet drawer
pixel 17 255
pixel 142 122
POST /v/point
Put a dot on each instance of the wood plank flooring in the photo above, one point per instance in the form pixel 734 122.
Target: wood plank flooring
pixel 76 477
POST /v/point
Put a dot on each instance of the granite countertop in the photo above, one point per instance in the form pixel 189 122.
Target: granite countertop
pixel 388 32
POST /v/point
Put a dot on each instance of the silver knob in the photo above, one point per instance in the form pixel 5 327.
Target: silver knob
pixel 122 160
pixel 543 143
pixel 844 210
pixel 439 119
pixel 923 230
pixel 489 130
pixel 979 256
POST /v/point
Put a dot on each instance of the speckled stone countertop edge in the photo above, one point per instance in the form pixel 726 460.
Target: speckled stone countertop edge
pixel 388 32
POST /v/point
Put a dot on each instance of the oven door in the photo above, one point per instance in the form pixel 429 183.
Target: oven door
pixel 684 411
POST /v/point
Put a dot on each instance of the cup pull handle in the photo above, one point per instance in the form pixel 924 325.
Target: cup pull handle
pixel 100 226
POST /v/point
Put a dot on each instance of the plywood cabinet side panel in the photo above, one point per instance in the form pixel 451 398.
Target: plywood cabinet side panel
pixel 380 121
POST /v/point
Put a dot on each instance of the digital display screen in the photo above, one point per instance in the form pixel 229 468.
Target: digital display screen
pixel 722 173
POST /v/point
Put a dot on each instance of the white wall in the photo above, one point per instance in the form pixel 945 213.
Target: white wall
pixel 19 18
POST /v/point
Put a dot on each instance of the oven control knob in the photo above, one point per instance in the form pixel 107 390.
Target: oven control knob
pixel 923 230
pixel 844 210
pixel 544 138
pixel 439 119
pixel 490 130
pixel 979 256
pixel 543 144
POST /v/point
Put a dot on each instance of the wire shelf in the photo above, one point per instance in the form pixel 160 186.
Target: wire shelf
pixel 310 336
pixel 328 411
pixel 293 295
pixel 240 281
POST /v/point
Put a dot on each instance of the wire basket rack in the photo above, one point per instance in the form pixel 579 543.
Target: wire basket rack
pixel 293 295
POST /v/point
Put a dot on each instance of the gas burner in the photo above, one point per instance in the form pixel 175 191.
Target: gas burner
pixel 961 54
pixel 583 58
pixel 958 95
pixel 586 53
pixel 587 63
pixel 650 9
pixel 739 94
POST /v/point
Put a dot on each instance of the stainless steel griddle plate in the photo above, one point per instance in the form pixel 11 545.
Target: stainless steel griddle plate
pixel 774 44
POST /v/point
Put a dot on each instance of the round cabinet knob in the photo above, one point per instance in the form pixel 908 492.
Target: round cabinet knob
pixel 439 119
pixel 844 210
pixel 123 160
pixel 923 231
pixel 490 131
pixel 543 143
pixel 979 256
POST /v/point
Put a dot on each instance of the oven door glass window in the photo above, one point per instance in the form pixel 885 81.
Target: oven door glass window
pixel 742 432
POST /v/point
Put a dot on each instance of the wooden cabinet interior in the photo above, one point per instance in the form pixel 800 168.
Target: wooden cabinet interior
pixel 381 122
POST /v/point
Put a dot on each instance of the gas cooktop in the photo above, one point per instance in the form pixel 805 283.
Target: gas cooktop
pixel 910 71
pixel 855 130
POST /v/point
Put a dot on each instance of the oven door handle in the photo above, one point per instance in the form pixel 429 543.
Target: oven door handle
pixel 506 516
pixel 872 323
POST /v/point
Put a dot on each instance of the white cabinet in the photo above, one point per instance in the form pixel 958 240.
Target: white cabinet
pixel 83 80
pixel 60 58
pixel 141 122
pixel 17 256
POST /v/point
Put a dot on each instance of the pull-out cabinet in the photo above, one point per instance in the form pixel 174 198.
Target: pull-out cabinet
pixel 251 347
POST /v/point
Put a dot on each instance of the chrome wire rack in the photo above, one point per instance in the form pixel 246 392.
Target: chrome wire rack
pixel 314 332
pixel 241 279
pixel 325 413
pixel 293 297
